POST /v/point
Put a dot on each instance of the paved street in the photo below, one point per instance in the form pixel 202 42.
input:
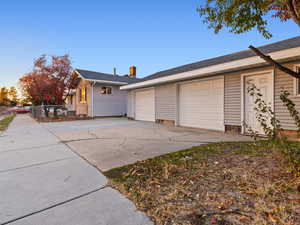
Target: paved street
pixel 43 182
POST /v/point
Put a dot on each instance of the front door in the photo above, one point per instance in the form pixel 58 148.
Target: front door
pixel 264 83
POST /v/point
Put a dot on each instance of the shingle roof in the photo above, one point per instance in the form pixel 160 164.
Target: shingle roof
pixel 277 46
pixel 91 75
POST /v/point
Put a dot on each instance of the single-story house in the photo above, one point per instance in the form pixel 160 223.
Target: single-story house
pixel 212 93
pixel 99 94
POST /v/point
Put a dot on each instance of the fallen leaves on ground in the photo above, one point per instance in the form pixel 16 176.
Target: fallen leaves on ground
pixel 223 183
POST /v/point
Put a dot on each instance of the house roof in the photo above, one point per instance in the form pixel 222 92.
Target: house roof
pixel 106 78
pixel 277 46
pixel 222 63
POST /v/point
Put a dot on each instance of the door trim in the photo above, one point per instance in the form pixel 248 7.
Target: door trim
pixel 243 76
pixel 295 81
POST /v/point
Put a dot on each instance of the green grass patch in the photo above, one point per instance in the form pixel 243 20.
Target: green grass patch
pixel 4 123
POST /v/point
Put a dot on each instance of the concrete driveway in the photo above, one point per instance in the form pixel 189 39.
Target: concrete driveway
pixel 112 142
pixel 42 182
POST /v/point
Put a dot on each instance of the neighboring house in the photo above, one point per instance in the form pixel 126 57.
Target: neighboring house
pixel 212 94
pixel 99 94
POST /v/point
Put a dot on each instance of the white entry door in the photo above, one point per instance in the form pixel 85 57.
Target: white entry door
pixel 145 105
pixel 201 104
pixel 264 83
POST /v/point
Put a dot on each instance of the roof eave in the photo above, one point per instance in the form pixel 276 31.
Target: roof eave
pixel 101 81
pixel 106 81
pixel 211 70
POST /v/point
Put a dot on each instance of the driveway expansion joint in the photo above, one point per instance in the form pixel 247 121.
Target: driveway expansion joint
pixel 63 193
pixel 85 139
pixel 55 205
pixel 30 148
pixel 36 164
pixel 76 153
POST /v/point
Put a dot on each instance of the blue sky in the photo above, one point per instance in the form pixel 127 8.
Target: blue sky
pixel 102 34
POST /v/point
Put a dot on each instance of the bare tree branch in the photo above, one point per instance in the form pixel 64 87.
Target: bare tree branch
pixel 274 63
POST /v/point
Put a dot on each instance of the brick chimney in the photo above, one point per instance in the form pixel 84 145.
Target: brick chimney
pixel 132 71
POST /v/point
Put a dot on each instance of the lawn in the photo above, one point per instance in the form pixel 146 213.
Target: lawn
pixel 222 183
pixel 4 123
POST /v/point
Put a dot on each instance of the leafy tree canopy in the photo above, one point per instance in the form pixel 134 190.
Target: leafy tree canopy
pixel 13 95
pixel 50 81
pixel 8 96
pixel 243 15
pixel 3 96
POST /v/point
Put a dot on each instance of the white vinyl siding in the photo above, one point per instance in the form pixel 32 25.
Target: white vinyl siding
pixel 201 104
pixel 113 104
pixel 232 99
pixel 130 104
pixel 286 82
pixel 145 105
pixel 165 102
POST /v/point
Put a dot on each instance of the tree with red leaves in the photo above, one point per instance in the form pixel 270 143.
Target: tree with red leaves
pixel 50 81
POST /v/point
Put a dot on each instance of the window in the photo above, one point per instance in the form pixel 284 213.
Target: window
pixel 297 82
pixel 105 91
pixel 83 95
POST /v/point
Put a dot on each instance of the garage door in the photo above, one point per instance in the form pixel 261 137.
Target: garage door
pixel 145 105
pixel 201 104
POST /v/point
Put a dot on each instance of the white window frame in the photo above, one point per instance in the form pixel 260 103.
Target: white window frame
pixel 296 81
pixel 106 87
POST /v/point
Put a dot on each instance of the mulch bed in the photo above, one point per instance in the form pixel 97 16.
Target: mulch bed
pixel 223 183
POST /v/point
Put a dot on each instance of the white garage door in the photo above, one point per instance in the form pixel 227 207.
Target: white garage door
pixel 201 104
pixel 145 105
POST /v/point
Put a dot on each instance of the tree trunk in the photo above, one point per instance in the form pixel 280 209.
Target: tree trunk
pixel 46 111
pixel 294 9
pixel 55 112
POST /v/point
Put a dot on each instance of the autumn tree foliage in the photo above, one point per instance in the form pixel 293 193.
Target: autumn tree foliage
pixel 3 96
pixel 243 15
pixel 50 81
pixel 13 96
pixel 8 96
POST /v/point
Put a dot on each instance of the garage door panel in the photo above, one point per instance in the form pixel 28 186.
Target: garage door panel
pixel 201 104
pixel 145 105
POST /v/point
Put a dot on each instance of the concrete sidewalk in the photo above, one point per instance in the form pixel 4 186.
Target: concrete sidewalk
pixel 43 182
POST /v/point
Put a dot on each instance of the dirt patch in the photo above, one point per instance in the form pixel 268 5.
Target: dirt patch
pixel 223 183
pixel 62 119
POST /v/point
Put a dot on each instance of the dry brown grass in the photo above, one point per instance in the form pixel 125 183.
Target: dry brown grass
pixel 224 183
